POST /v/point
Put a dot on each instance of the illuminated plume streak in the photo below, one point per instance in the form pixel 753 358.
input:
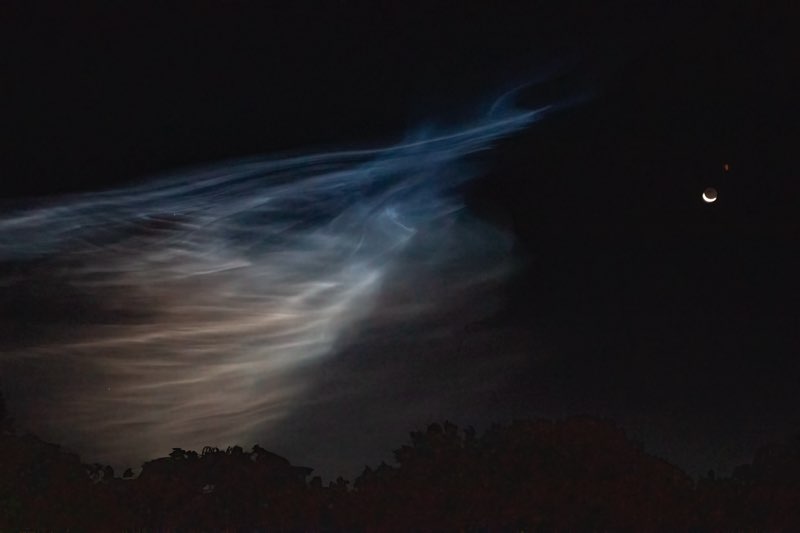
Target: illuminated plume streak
pixel 216 290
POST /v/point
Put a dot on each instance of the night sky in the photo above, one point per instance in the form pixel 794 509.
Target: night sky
pixel 320 227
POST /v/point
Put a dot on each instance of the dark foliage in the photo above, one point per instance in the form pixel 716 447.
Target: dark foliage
pixel 576 474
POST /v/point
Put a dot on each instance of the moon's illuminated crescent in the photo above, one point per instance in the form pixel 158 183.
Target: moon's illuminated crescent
pixel 710 195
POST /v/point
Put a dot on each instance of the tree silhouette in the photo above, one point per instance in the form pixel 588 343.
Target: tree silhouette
pixel 539 475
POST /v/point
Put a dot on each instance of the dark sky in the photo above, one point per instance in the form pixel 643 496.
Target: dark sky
pixel 625 295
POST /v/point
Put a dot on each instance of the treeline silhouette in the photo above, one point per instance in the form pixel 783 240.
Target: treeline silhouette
pixel 575 474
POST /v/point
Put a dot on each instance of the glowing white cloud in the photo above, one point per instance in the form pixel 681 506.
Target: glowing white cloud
pixel 241 276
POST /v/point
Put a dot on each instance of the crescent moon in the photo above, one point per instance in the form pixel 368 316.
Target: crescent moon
pixel 709 195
